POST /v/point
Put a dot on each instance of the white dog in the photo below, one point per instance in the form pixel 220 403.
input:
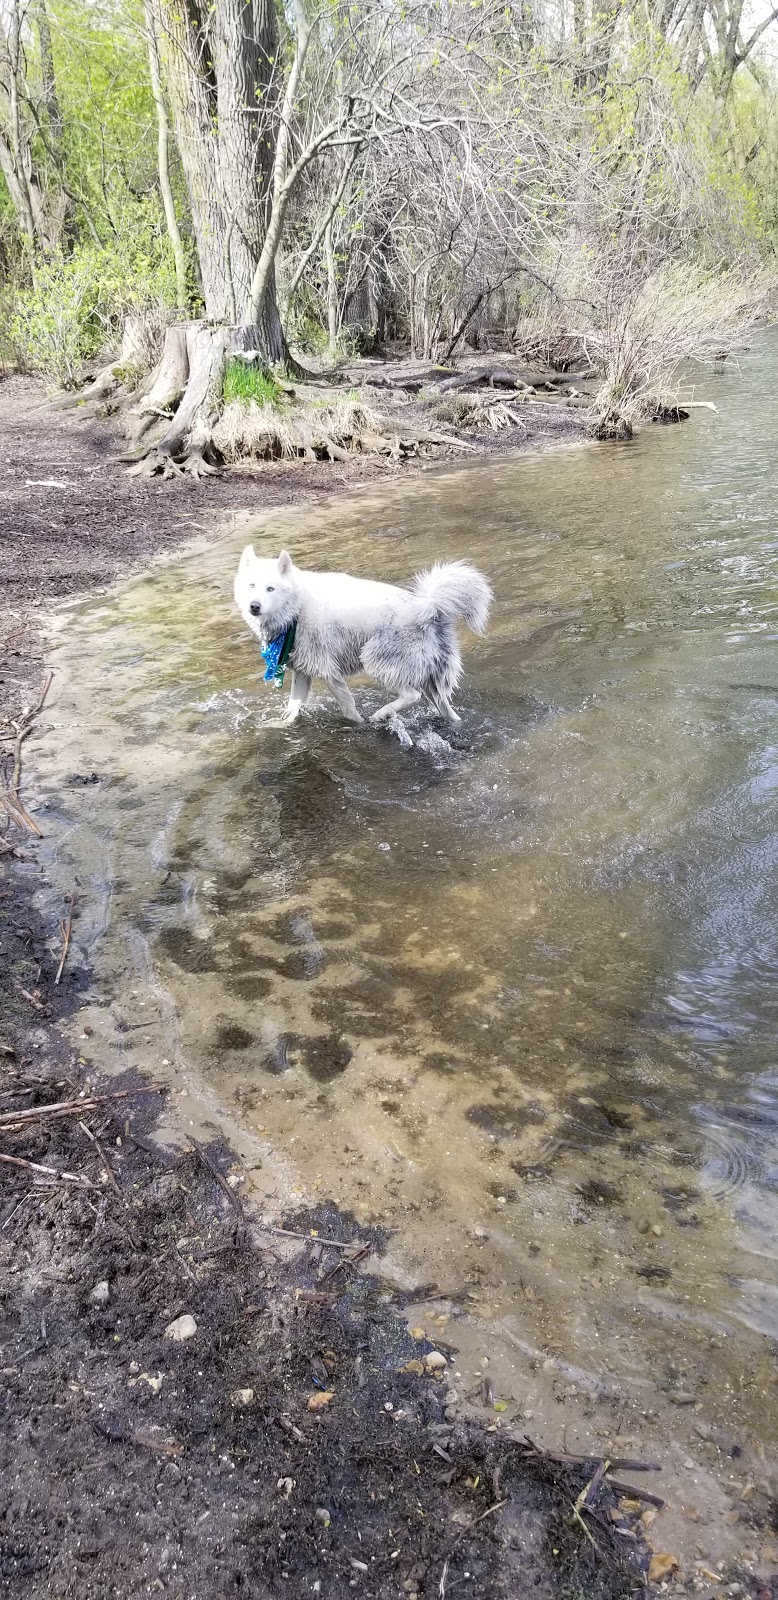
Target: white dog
pixel 331 626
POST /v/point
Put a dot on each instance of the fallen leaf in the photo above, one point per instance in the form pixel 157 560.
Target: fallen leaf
pixel 413 1366
pixel 317 1402
pixel 501 1405
pixel 661 1567
pixel 418 1333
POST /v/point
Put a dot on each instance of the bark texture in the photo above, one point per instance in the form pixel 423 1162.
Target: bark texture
pixel 163 156
pixel 219 65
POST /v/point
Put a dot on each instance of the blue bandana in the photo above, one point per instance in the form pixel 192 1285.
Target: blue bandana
pixel 276 655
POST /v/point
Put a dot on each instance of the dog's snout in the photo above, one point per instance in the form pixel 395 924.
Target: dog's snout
pixel 255 608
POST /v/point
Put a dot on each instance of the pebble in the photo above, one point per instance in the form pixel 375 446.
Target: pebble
pixel 101 1293
pixel 183 1328
pixel 643 1225
pixel 434 1361
pixel 242 1397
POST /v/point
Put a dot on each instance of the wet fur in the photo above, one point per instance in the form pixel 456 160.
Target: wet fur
pixel 405 638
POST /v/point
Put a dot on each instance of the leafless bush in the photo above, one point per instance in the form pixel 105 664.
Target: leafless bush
pixel 650 325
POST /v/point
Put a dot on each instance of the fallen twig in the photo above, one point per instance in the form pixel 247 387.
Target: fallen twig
pixel 65 927
pixel 316 1296
pixel 595 1482
pixel 623 1463
pixel 10 796
pixel 49 1172
pixel 582 1500
pixel 33 1001
pixel 347 1261
pixel 631 1492
pixel 65 1108
pixel 103 1157
pixel 309 1238
pixel 233 1198
pixel 18 814
pixel 498 1506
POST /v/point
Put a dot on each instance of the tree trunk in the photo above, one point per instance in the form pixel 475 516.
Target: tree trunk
pixel 332 290
pixel 64 221
pixel 40 208
pixel 188 380
pixel 219 63
pixel 18 149
pixel 163 158
pixel 168 385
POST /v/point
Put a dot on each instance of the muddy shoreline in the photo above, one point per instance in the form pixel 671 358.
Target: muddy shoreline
pixel 198 1470
pixel 295 1442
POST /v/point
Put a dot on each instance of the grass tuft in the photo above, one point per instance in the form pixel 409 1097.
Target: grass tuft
pixel 247 381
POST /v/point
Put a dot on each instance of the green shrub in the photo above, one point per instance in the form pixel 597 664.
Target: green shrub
pixel 71 307
pixel 247 380
pixel 50 325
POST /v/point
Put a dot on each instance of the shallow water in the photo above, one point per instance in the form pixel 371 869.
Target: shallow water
pixel 452 979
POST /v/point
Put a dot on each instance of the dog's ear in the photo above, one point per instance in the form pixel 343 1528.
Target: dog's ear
pixel 284 564
pixel 247 557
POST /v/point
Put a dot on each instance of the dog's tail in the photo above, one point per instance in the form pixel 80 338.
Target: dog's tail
pixel 454 589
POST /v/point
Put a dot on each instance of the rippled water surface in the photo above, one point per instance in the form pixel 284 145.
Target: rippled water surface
pixel 510 989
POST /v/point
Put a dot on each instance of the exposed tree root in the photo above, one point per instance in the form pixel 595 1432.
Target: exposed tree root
pixel 134 356
pixel 177 421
